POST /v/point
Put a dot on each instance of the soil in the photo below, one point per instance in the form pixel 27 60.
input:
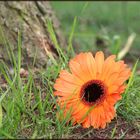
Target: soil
pixel 124 130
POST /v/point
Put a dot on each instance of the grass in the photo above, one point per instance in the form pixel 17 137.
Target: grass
pixel 26 114
pixel 27 103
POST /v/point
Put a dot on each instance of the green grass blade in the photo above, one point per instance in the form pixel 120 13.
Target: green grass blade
pixel 84 7
pixel 70 47
pixel 131 77
pixel 4 94
pixel 19 58
pixel 113 132
pixel 8 47
pixel 0 115
pixel 130 82
pixel 53 37
pixel 8 136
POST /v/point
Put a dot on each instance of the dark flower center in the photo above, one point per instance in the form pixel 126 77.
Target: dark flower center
pixel 92 92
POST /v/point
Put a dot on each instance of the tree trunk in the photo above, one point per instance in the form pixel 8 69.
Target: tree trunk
pixel 33 16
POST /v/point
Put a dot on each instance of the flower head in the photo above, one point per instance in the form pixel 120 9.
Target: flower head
pixel 91 88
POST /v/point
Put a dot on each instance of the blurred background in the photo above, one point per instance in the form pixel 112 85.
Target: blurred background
pixel 101 25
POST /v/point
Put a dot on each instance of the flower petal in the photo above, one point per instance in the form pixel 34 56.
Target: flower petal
pixel 91 65
pixel 65 75
pixel 85 61
pixel 99 59
pixel 64 86
pixel 76 70
pixel 107 66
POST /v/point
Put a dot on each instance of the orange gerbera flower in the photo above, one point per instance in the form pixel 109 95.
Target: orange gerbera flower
pixel 92 88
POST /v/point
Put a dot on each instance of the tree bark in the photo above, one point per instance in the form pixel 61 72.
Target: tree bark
pixel 32 15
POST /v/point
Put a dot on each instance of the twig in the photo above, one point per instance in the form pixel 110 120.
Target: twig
pixel 127 46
